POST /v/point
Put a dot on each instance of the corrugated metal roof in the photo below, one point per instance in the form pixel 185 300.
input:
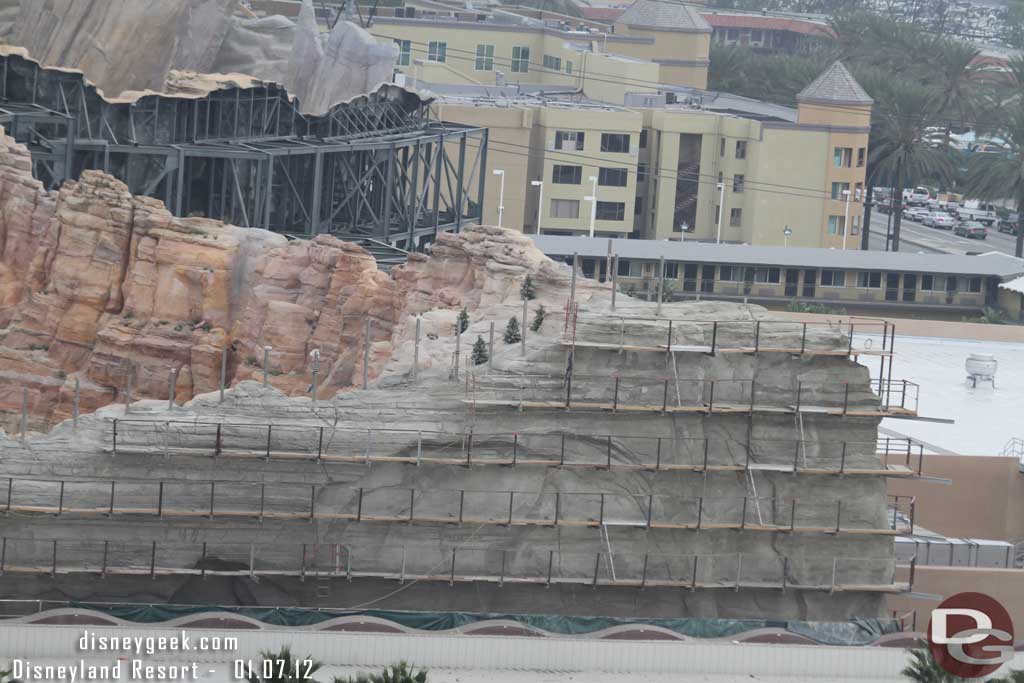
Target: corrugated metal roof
pixel 667 16
pixel 994 264
pixel 1016 285
pixel 835 84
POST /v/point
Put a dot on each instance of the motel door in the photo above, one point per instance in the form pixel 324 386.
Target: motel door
pixel 792 281
pixel 892 286
pixel 707 281
pixel 810 278
pixel 909 286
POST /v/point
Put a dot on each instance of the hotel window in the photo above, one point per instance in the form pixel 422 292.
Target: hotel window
pixel 836 225
pixel 735 217
pixel 404 52
pixel 638 206
pixel 569 139
pixel 741 149
pixel 641 173
pixel 671 271
pixel 842 156
pixel 437 51
pixel 568 66
pixel 974 285
pixel 721 147
pixel 623 268
pixel 860 156
pixel 484 57
pixel 933 283
pixel 858 192
pixel 615 142
pixel 837 191
pixel 552 63
pixel 643 139
pixel 566 175
pixel 833 278
pixel 520 59
pixel 611 211
pixel 729 274
pixel 612 177
pixel 869 279
pixel 565 208
pixel 769 275
pixel 737 183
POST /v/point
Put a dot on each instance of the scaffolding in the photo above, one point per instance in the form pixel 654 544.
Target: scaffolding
pixel 375 168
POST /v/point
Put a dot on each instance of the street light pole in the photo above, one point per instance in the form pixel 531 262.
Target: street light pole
pixel 539 184
pixel 786 232
pixel 721 210
pixel 593 204
pixel 846 217
pixel 501 194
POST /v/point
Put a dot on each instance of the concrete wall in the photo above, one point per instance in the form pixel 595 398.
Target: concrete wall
pixel 985 500
pixel 1005 585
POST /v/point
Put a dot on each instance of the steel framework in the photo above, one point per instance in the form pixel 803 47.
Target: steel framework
pixel 375 168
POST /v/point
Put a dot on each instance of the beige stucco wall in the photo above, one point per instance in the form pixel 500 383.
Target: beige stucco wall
pixel 668 46
pixel 985 500
pixel 1005 585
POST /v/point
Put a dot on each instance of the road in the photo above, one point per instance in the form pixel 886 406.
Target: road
pixel 916 237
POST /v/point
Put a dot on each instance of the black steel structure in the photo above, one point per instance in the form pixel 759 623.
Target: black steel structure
pixel 376 168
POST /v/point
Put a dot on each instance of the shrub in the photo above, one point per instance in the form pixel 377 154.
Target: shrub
pixel 526 291
pixel 538 318
pixel 512 335
pixel 801 307
pixel 396 673
pixel 479 351
pixel 283 668
pixel 463 321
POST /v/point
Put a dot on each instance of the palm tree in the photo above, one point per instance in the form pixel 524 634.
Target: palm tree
pixel 954 72
pixel 283 667
pixel 899 148
pixel 924 669
pixel 1001 176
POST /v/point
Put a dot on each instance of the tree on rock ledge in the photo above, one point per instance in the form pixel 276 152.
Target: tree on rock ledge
pixel 463 323
pixel 526 291
pixel 512 335
pixel 479 351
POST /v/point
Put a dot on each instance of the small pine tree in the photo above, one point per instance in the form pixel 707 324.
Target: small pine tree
pixel 526 290
pixel 538 318
pixel 479 351
pixel 463 320
pixel 512 335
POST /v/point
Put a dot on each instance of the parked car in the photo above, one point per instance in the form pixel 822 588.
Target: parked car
pixel 916 214
pixel 971 229
pixel 1009 227
pixel 973 210
pixel 940 220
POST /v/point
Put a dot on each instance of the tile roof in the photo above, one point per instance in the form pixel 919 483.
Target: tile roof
pixel 602 13
pixel 754 21
pixel 667 16
pixel 835 84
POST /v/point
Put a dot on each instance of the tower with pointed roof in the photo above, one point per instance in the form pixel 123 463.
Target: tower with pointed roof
pixel 673 35
pixel 836 104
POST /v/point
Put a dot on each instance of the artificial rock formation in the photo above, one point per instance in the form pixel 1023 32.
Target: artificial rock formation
pixel 137 45
pixel 111 290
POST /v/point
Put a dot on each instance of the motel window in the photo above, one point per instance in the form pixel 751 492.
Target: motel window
pixel 520 59
pixel 404 52
pixel 568 66
pixel 860 156
pixel 755 36
pixel 552 63
pixel 974 285
pixel 836 225
pixel 569 139
pixel 770 275
pixel 437 51
pixel 484 57
pixel 671 270
pixel 737 182
pixel 869 279
pixel 735 217
pixel 833 278
pixel 612 177
pixel 565 208
pixel 933 283
pixel 729 274
pixel 623 268
pixel 741 149
pixel 566 175
pixel 615 142
pixel 611 211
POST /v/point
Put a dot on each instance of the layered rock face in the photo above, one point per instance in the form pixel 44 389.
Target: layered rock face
pixel 133 45
pixel 111 291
